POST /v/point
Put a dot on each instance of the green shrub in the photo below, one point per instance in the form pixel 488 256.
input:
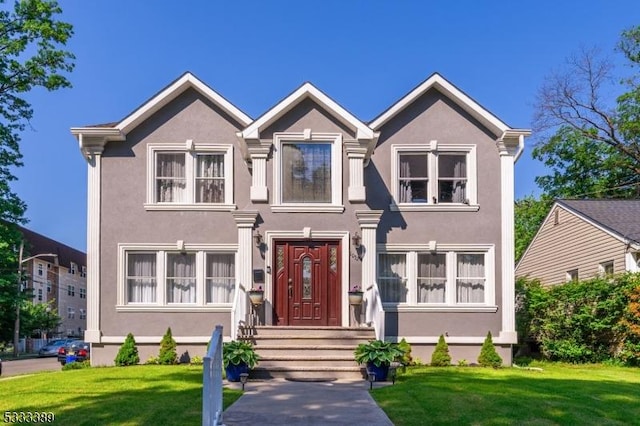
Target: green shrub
pixel 152 360
pixel 441 356
pixel 378 352
pixel 128 353
pixel 488 355
pixel 168 354
pixel 238 352
pixel 463 363
pixel 196 360
pixel 405 347
pixel 76 365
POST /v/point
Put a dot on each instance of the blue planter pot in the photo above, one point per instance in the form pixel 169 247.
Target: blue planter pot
pixel 234 371
pixel 380 372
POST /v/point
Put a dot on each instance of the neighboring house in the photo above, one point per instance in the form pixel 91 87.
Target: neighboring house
pixel 62 280
pixel 192 203
pixel 580 239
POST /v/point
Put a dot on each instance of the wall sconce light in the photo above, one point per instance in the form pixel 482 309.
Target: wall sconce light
pixel 257 238
pixel 356 240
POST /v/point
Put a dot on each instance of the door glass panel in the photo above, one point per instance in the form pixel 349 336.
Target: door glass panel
pixel 306 278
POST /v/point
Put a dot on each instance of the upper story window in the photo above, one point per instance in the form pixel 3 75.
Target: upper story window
pixel 73 268
pixel 434 177
pixel 307 172
pixel 172 278
pixel 452 276
pixel 190 178
pixel 40 269
pixel 71 291
pixel 83 293
pixel 83 271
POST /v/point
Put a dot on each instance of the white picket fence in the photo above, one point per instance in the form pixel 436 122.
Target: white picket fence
pixel 212 381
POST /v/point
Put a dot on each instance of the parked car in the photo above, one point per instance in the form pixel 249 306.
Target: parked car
pixel 78 349
pixel 51 348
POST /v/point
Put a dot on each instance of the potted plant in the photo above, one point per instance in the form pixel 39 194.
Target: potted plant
pixel 238 357
pixel 256 295
pixel 355 295
pixel 378 356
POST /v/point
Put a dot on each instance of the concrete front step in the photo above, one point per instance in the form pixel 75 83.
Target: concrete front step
pixel 300 341
pixel 311 350
pixel 307 372
pixel 308 361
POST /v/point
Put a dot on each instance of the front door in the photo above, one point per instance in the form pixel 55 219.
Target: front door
pixel 307 283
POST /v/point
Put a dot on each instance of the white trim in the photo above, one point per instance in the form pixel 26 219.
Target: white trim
pixel 433 149
pixel 451 251
pixel 438 82
pixel 171 92
pixel 271 236
pixel 161 250
pixel 190 174
pixel 305 91
pixel 181 340
pixel 335 139
pixel 92 332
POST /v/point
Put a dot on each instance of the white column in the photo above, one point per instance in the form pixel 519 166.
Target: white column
pixel 92 333
pixel 259 191
pixel 356 155
pixel 508 333
pixel 368 221
pixel 245 220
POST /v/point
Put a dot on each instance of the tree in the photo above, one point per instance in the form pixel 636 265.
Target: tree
pixel 440 356
pixel 168 354
pixel 577 98
pixel 38 318
pixel 529 214
pixel 31 56
pixel 128 353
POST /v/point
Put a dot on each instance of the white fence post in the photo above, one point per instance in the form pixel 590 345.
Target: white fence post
pixel 212 381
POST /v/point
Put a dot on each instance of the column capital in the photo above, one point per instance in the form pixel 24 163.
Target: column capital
pixel 369 218
pixel 245 219
pixel 355 149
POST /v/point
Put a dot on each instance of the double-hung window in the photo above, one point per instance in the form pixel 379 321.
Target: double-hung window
pixel 434 177
pixel 198 178
pixel 452 276
pixel 307 172
pixel 168 277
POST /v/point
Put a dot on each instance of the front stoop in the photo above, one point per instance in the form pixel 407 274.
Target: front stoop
pixel 307 352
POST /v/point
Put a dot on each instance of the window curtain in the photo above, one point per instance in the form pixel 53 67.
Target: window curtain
pixel 453 178
pixel 171 182
pixel 210 179
pixel 432 278
pixel 221 280
pixel 392 277
pixel 413 178
pixel 471 278
pixel 181 278
pixel 141 278
pixel 306 173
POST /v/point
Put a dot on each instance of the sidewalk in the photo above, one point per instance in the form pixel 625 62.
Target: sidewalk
pixel 280 402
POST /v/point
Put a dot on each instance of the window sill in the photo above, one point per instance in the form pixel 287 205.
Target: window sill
pixel 194 207
pixel 317 208
pixel 392 307
pixel 173 308
pixel 433 207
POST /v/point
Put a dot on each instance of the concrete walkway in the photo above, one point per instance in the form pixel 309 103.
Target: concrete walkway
pixel 281 402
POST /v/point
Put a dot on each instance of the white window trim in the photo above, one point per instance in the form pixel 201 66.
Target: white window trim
pixel 335 139
pixel 602 267
pixel 161 251
pixel 432 149
pixel 226 150
pixel 569 275
pixel 451 250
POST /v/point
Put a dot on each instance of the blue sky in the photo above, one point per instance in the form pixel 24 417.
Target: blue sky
pixel 364 54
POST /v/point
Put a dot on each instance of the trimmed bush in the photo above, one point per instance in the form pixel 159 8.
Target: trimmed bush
pixel 168 354
pixel 128 353
pixel 77 365
pixel 441 356
pixel 152 360
pixel 488 355
pixel 405 347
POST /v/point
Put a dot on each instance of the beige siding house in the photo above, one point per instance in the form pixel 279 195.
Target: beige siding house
pixel 580 239
pixel 192 203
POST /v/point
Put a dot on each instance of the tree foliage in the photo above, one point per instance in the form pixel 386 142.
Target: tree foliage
pixel 128 352
pixel 168 354
pixel 440 356
pixel 529 214
pixel 31 56
pixel 583 321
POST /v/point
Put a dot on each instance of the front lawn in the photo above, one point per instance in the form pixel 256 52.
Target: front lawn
pixel 559 395
pixel 137 395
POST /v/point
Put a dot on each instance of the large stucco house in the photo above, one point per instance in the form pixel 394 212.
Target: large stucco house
pixel 191 203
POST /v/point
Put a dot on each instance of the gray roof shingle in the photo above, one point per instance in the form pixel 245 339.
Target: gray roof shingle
pixel 621 217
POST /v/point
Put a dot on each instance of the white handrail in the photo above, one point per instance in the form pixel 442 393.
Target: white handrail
pixel 238 311
pixel 374 312
pixel 212 381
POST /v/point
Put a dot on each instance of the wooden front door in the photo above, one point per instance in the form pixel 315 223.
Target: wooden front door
pixel 307 283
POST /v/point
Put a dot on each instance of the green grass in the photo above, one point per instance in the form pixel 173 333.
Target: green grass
pixel 559 395
pixel 136 395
